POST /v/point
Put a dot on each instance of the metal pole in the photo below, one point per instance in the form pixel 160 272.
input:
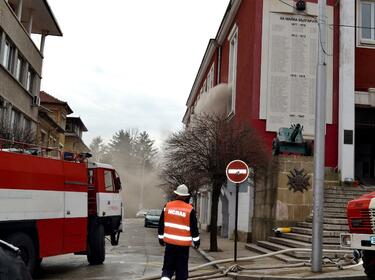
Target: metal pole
pixel 319 144
pixel 236 224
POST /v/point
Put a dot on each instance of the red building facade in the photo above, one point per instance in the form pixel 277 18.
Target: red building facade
pixel 238 56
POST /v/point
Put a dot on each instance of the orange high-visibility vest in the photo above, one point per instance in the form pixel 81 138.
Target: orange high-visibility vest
pixel 177 223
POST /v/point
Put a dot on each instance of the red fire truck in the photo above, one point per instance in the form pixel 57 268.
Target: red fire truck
pixel 51 206
pixel 361 236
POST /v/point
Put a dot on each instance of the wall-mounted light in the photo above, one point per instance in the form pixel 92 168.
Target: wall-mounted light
pixel 301 5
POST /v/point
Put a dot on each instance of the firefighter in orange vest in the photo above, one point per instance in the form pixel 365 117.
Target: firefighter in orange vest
pixel 178 230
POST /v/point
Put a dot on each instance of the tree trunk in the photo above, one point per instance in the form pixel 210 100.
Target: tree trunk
pixel 213 223
pixel 195 201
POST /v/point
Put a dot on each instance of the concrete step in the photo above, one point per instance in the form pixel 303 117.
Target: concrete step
pixel 331 183
pixel 308 231
pixel 308 238
pixel 298 255
pixel 334 210
pixel 343 228
pixel 278 247
pixel 341 195
pixel 289 242
pixel 340 205
pixel 258 249
pixel 353 192
pixel 333 221
pixel 299 244
pixel 336 200
pixel 335 215
pixel 346 187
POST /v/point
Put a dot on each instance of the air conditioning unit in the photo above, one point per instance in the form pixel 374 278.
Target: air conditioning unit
pixel 36 101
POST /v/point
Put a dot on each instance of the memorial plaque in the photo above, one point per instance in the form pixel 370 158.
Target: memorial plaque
pixel 292 71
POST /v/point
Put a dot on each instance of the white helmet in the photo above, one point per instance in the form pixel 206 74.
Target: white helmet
pixel 182 190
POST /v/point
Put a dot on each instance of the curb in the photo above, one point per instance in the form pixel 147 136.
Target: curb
pixel 207 257
pixel 322 277
pixel 265 277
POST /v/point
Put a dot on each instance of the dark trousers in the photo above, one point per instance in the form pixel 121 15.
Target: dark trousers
pixel 176 261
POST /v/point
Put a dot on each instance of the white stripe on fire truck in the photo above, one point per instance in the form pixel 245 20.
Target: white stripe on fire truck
pixel 178 226
pixel 177 237
pixel 37 204
pixel 108 204
pixel 237 171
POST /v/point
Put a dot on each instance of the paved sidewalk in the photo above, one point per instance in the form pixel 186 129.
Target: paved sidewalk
pixel 267 268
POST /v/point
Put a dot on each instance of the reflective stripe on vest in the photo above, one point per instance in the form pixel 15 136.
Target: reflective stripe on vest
pixel 177 223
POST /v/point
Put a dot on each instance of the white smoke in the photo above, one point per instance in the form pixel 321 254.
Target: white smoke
pixel 215 101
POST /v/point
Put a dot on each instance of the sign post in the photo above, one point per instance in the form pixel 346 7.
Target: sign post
pixel 237 172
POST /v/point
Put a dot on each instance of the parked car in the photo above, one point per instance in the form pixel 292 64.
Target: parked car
pixel 152 217
pixel 141 213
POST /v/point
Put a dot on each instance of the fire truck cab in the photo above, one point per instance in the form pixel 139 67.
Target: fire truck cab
pixel 51 206
pixel 361 236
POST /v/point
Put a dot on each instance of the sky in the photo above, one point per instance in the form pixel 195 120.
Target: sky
pixel 125 64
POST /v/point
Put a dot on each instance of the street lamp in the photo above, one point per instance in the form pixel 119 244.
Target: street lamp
pixel 319 143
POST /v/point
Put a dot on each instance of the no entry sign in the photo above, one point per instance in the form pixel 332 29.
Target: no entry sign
pixel 237 171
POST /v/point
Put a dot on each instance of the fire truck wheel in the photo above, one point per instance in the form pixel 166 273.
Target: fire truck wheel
pixel 369 263
pixel 27 248
pixel 96 246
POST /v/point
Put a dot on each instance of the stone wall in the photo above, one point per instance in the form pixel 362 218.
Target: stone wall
pixel 265 198
pixel 293 206
pixel 275 203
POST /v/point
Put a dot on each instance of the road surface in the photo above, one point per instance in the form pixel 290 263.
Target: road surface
pixel 138 254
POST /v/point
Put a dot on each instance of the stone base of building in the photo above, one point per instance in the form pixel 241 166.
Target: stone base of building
pixel 278 201
pixel 243 236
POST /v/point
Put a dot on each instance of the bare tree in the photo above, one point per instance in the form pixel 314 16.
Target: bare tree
pixel 174 173
pixel 206 147
pixel 15 134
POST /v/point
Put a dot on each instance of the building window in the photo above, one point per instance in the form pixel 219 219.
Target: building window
pixel 108 181
pixel 69 127
pixel 27 125
pixel 52 142
pixel 30 80
pixel 232 72
pixel 210 78
pixel 3 110
pixel 15 120
pixel 63 121
pixel 19 68
pixel 78 131
pixel 8 55
pixel 43 138
pixel 367 21
pixel 205 86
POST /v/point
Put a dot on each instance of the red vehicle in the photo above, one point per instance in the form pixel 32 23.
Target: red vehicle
pixel 51 206
pixel 361 221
